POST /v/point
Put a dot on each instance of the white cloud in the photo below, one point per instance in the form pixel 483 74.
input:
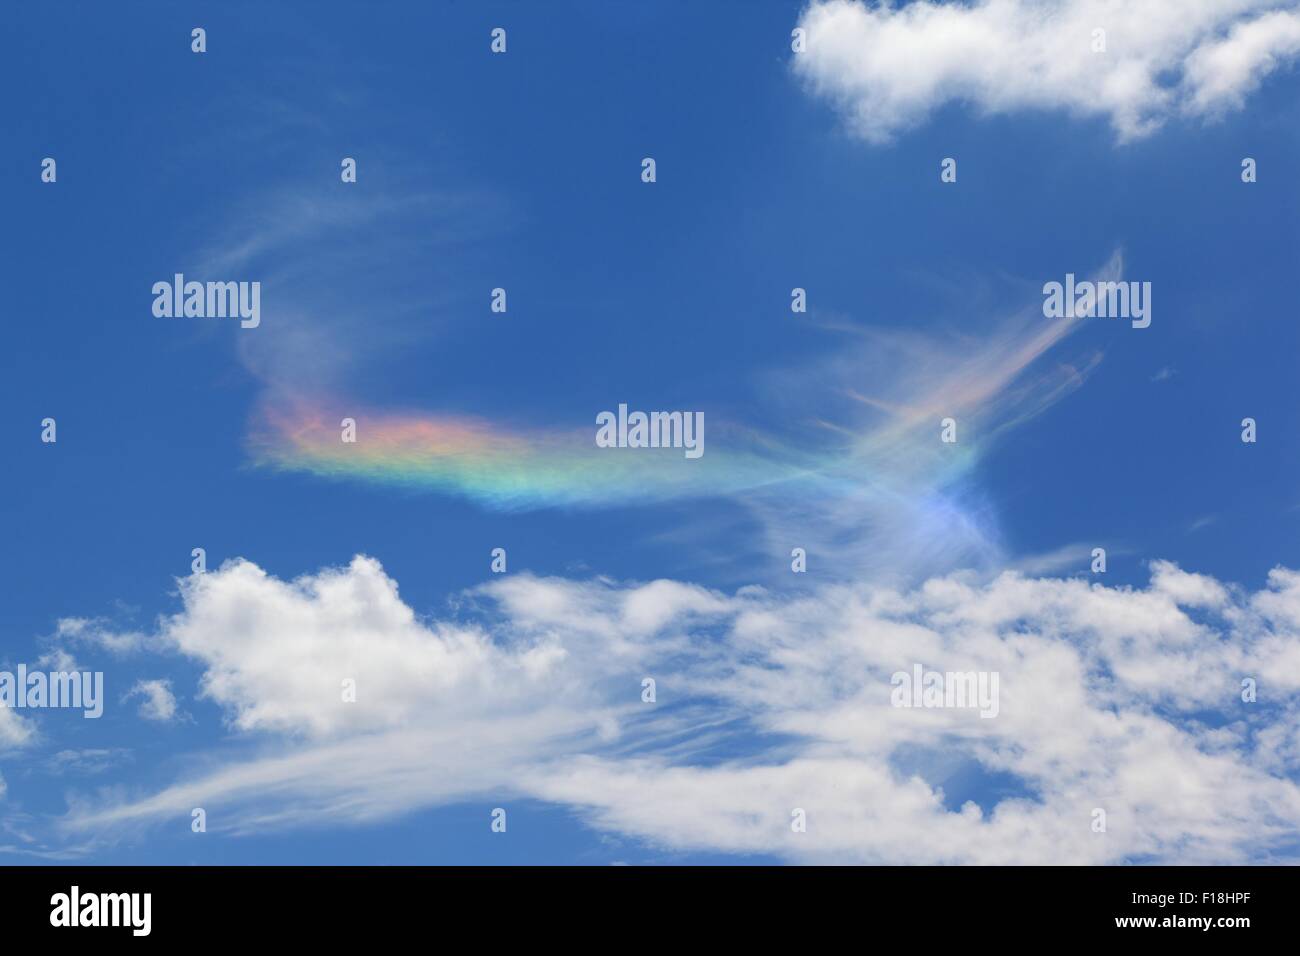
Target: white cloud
pixel 58 659
pixel 158 702
pixel 1105 694
pixel 888 497
pixel 888 67
pixel 94 632
pixel 15 731
pixel 92 760
pixel 1221 74
pixel 278 653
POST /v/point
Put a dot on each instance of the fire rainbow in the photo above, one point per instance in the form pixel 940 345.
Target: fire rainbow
pixel 503 468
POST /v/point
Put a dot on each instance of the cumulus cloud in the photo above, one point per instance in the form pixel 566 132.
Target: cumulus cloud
pixel 889 66
pixel 58 659
pixel 15 731
pixel 1127 700
pixel 281 656
pixel 157 700
pixel 1221 74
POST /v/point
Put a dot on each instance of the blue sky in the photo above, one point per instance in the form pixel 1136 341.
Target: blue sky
pixel 522 170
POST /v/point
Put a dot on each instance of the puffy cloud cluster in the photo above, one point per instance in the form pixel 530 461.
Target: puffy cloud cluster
pixel 888 66
pixel 157 702
pixel 1127 700
pixel 15 731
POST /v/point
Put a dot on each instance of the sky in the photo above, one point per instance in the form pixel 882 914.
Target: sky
pixel 774 735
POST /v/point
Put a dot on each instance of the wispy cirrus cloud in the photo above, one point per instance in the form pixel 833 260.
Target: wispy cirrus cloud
pixel 856 454
pixel 854 458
